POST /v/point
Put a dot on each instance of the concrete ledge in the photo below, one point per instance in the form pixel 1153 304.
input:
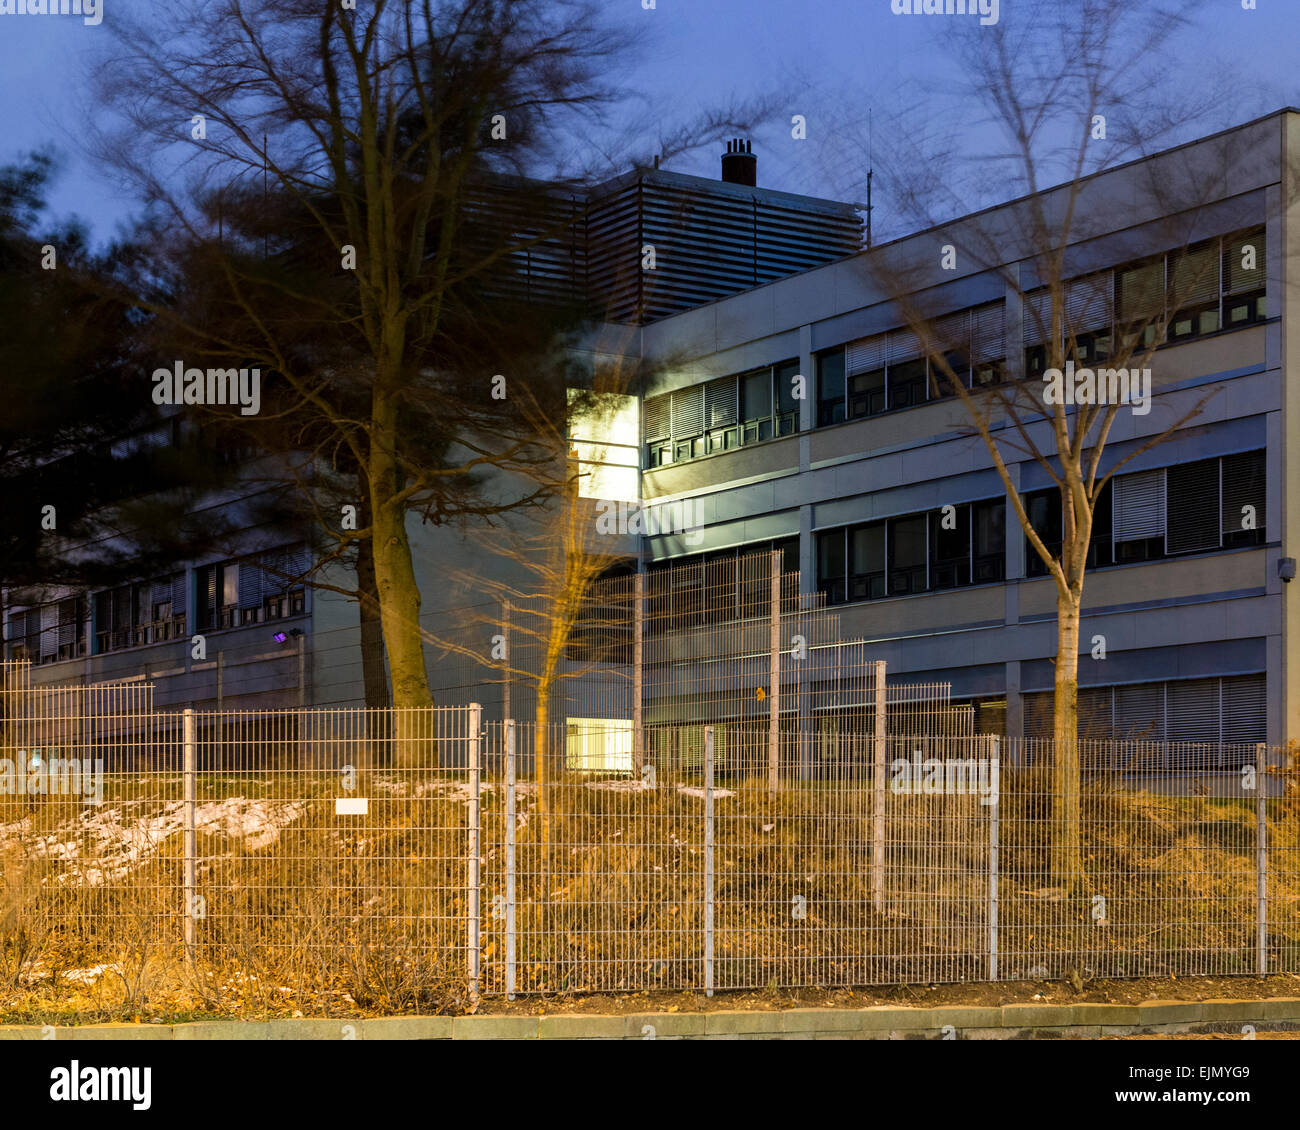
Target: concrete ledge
pixel 1170 1012
pixel 666 1026
pixel 406 1028
pixel 726 1025
pixel 1037 1015
pixel 310 1028
pixel 115 1032
pixel 495 1027
pixel 878 1022
pixel 571 1027
pixel 224 1030
pixel 1280 1008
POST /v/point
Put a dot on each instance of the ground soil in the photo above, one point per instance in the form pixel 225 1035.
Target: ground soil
pixel 981 994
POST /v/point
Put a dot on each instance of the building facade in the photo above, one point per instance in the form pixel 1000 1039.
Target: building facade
pixel 895 511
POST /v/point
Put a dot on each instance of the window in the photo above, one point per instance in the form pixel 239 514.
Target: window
pixel 1243 499
pixel 598 745
pixel 950 548
pixel 721 415
pixel 907 555
pixel 724 584
pixel 896 370
pixel 784 378
pixel 1140 300
pixel 1194 289
pixel 1213 285
pixel 1043 509
pixel 252 590
pixel 914 553
pixel 831 565
pixel 1208 713
pixel 756 405
pixel 989 553
pixel 24 637
pixel 1243 279
pixel 867 562
pixel 1194 507
pixel 1138 515
pixel 603 442
pixel 830 387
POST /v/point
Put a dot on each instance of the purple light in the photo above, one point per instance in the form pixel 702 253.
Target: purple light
pixel 279 637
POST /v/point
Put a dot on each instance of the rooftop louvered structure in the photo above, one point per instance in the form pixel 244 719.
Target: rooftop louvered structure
pixel 710 239
pixel 706 239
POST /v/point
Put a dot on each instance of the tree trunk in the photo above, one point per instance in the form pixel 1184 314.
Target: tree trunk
pixel 374 676
pixel 1067 851
pixel 399 602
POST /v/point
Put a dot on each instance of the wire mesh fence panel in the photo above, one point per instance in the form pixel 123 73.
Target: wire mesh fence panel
pixel 344 859
pixel 594 874
pixel 88 835
pixel 272 859
pixel 333 848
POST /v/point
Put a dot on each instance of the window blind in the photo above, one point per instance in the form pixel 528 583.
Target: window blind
pixel 1138 506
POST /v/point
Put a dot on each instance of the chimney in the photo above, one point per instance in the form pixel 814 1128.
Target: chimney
pixel 739 165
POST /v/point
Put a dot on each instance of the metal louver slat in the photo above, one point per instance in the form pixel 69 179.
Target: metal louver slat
pixel 720 403
pixel 1192 507
pixel 1193 711
pixel 1243 492
pixel 1194 276
pixel 951 333
pixel 904 345
pixel 49 621
pixel 1037 318
pixel 1095 713
pixel 1245 709
pixel 1140 712
pixel 1089 304
pixel 179 588
pixel 988 332
pixel 658 418
pixel 250 584
pixel 865 355
pixel 688 411
pixel 68 620
pixel 1239 275
pixel 1038 714
pixel 1142 290
pixel 1139 505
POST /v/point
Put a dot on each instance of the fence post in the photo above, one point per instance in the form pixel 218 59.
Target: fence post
pixel 472 884
pixel 505 659
pixel 190 846
pixel 221 694
pixel 510 858
pixel 1261 862
pixel 638 671
pixel 878 794
pixel 708 861
pixel 774 697
pixel 994 750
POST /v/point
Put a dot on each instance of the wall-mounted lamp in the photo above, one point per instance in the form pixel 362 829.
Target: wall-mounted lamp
pixel 1286 568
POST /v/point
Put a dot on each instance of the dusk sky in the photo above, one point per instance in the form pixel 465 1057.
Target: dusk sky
pixel 833 56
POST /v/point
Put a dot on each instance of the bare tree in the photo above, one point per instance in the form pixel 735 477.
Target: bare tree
pixel 545 607
pixel 1064 94
pixel 366 143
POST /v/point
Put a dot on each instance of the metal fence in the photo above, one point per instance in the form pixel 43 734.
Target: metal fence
pixel 336 860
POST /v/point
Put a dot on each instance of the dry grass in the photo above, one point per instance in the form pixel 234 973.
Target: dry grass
pixel 304 911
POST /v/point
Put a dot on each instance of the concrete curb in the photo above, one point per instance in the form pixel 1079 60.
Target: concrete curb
pixel 878 1022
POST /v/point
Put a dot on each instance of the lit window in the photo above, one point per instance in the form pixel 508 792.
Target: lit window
pixel 605 439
